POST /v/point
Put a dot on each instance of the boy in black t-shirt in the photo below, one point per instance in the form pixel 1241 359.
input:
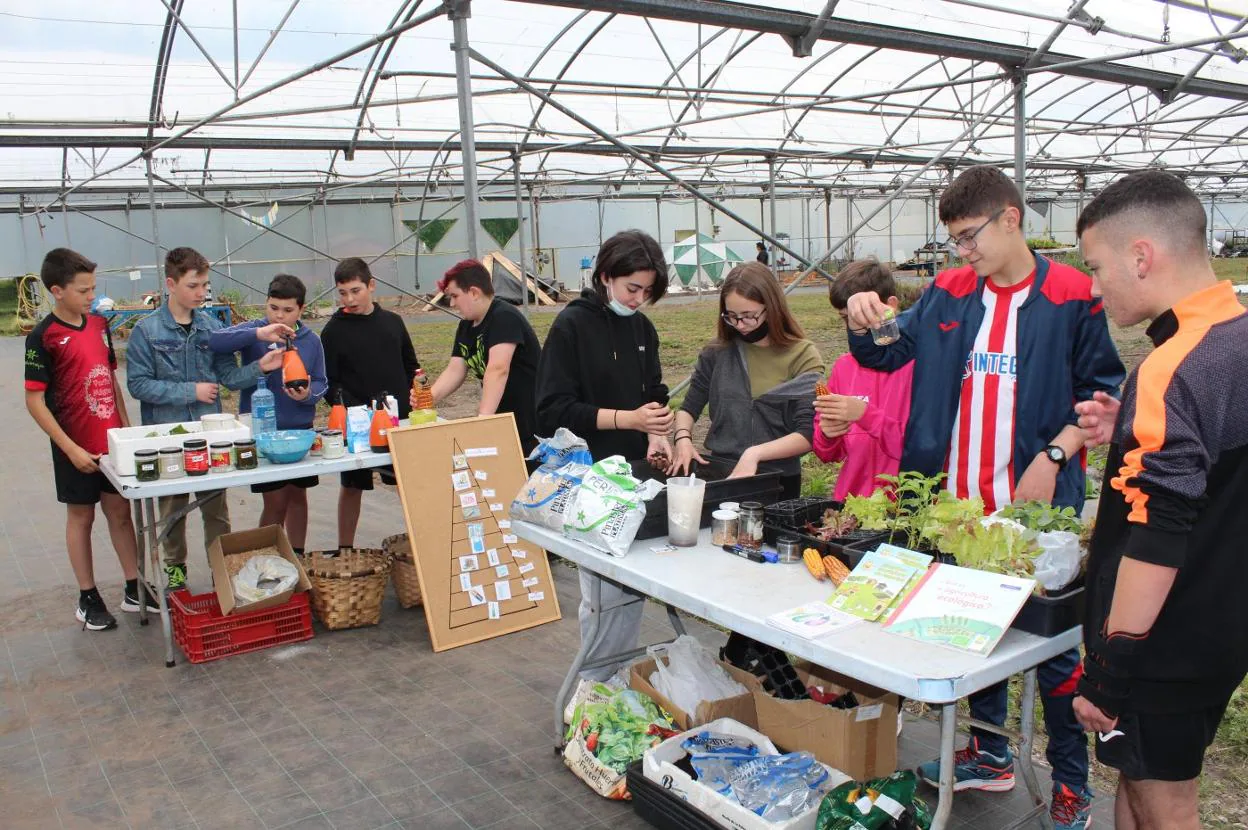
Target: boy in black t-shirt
pixel 497 343
pixel 368 353
pixel 72 393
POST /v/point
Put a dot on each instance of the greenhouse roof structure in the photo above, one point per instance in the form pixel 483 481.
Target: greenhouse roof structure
pixel 677 96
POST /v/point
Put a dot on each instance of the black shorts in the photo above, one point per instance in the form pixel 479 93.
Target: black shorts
pixel 273 486
pixel 1161 747
pixel 363 479
pixel 74 486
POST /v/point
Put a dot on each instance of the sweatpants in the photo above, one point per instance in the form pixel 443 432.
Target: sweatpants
pixel 619 629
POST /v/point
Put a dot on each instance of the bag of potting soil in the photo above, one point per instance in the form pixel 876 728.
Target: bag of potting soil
pixel 606 736
pixel 608 508
pixel 545 496
pixel 880 804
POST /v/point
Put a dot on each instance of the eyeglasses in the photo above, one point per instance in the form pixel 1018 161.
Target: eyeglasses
pixel 966 241
pixel 733 319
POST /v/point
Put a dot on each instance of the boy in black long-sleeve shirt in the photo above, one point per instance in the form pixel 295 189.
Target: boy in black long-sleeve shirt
pixel 368 354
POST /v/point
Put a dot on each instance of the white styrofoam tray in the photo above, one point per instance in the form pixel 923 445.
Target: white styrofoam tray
pixel 659 765
pixel 124 441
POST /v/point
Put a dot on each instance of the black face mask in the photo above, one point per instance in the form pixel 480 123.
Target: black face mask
pixel 755 335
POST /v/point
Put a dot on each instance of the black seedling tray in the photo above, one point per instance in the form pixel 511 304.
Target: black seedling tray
pixel 660 807
pixel 797 512
pixel 849 549
pixel 765 488
pixel 1050 615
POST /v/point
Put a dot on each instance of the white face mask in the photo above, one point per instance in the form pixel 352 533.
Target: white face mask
pixel 617 306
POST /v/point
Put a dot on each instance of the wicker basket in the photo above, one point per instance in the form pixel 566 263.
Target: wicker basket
pixel 347 586
pixel 402 569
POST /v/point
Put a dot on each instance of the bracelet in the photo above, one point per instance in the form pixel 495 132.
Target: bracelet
pixel 676 440
pixel 615 419
pixel 685 431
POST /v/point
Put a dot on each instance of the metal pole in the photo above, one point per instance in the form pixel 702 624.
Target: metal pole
pixel 697 248
pixel 524 274
pixel 658 219
pixel 771 199
pixel 1020 142
pixel 849 224
pixel 460 11
pixel 535 214
pixel 236 84
pixel 827 216
pixel 1211 214
pixel 151 205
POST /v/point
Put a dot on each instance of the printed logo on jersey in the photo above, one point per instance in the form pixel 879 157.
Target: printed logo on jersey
pixel 64 340
pixel 991 363
pixel 98 389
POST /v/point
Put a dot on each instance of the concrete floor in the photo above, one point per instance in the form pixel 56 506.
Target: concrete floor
pixel 356 729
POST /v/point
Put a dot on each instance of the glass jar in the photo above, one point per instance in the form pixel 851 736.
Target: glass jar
pixel 888 332
pixel 789 549
pixel 221 456
pixel 245 454
pixel 750 525
pixel 147 465
pixel 171 462
pixel 318 444
pixel 195 457
pixel 724 527
pixel 332 445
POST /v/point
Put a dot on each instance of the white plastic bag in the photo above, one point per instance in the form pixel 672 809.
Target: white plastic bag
pixel 1059 560
pixel 609 506
pixel 691 674
pixel 263 576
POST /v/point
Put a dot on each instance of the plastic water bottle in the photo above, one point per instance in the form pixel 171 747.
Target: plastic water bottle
pixel 263 412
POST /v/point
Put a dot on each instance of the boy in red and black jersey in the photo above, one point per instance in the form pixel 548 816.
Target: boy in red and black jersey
pixel 72 393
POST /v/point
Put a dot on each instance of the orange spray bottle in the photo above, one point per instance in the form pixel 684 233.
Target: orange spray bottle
pixel 338 416
pixel 294 373
pixel 379 430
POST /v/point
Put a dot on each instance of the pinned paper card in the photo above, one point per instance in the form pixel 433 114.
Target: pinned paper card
pixel 504 524
pixel 491 556
pixel 480 452
pixel 465 582
pixel 461 481
pixel 478 545
pixel 459 461
pixel 509 539
pixel 502 591
pixel 528 583
pixel 497 508
pixel 502 571
pixel 467 499
pixel 493 611
pixel 469 563
pixel 525 568
pixel 536 596
pixel 480 475
pixel 487 493
pixel 476 595
pixel 519 554
pixel 476 538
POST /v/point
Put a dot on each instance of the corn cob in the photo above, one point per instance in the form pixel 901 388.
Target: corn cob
pixel 814 564
pixel 835 569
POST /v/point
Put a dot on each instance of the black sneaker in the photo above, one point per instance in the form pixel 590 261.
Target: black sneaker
pixel 93 614
pixel 130 602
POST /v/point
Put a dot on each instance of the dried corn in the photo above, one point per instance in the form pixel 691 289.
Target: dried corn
pixel 835 569
pixel 814 564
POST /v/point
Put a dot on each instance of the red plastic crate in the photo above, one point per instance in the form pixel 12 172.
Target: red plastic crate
pixel 204 633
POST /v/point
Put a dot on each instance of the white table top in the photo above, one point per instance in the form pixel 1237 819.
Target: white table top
pixel 739 595
pixel 131 488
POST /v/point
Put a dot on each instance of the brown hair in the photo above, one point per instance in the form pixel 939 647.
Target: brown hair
pixel 181 261
pixel 468 274
pixel 61 265
pixel 858 276
pixel 754 281
pixel 628 252
pixel 350 269
pixel 979 191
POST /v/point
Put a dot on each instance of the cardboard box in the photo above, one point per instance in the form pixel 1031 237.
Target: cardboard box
pixel 862 742
pixel 659 765
pixel 739 708
pixel 123 441
pixel 244 542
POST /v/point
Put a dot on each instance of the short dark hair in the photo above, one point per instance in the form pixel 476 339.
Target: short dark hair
pixel 288 287
pixel 979 191
pixel 858 276
pixel 759 245
pixel 61 265
pixel 468 274
pixel 180 261
pixel 350 269
pixel 628 252
pixel 1170 205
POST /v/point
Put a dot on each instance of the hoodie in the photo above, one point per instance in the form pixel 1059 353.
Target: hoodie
pixel 368 354
pixel 593 358
pixel 291 414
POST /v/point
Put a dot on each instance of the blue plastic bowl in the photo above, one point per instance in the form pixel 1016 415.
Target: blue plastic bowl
pixel 286 446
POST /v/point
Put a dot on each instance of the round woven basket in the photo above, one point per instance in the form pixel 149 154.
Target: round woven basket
pixel 348 585
pixel 402 569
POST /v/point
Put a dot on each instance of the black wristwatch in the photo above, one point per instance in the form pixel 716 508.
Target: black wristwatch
pixel 1057 455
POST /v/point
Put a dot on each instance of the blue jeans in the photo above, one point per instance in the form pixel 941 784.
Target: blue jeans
pixel 1068 743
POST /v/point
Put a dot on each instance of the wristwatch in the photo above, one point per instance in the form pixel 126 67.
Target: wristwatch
pixel 1057 455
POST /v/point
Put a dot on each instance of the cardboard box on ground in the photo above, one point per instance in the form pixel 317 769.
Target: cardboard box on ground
pixel 245 543
pixel 861 742
pixel 739 708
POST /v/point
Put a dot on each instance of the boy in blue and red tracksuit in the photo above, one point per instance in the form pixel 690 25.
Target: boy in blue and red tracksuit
pixel 1003 348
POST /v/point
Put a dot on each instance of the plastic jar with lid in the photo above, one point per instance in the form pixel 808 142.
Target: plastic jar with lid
pixel 332 445
pixel 195 457
pixel 171 462
pixel 245 454
pixel 750 525
pixel 221 456
pixel 147 465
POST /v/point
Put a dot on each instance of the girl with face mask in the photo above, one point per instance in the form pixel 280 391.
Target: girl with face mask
pixel 759 377
pixel 600 377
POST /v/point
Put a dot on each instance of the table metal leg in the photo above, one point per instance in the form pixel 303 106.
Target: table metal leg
pixel 1027 731
pixel 948 734
pixel 140 542
pixel 674 619
pixel 587 641
pixel 162 580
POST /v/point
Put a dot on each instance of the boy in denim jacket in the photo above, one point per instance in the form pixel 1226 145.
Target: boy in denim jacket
pixel 175 377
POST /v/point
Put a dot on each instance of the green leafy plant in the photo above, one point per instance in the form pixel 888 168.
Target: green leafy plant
pixel 1043 517
pixel 913 508
pixel 997 547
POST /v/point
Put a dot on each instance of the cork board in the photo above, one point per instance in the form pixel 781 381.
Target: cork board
pixel 478 580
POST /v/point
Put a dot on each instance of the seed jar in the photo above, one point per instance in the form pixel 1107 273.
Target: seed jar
pixel 221 456
pixel 245 454
pixel 332 445
pixel 146 465
pixel 318 444
pixel 195 457
pixel 171 462
pixel 750 525
pixel 724 527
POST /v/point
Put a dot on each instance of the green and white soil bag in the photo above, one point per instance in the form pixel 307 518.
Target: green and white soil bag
pixel 609 506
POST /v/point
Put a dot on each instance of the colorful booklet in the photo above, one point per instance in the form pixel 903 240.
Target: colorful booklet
pixel 919 561
pixel 871 587
pixel 961 608
pixel 814 619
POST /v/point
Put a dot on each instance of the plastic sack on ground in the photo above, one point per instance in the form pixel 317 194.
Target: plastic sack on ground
pixel 691 674
pixel 880 804
pixel 544 498
pixel 608 508
pixel 780 787
pixel 1059 560
pixel 262 577
pixel 608 735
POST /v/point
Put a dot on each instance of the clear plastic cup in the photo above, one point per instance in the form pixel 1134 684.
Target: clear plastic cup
pixel 684 509
pixel 887 332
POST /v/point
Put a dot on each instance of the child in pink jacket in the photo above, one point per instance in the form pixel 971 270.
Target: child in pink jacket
pixel 863 418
